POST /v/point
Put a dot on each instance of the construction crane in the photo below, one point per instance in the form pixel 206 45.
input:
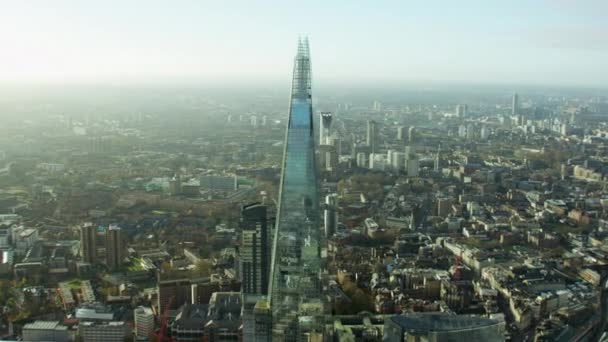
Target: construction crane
pixel 160 335
pixel 457 266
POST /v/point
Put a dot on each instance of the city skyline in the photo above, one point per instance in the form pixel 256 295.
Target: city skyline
pixel 550 42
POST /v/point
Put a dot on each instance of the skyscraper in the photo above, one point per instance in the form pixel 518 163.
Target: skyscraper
pixel 296 263
pixel 88 234
pixel 114 247
pixel 330 215
pixel 325 128
pixel 411 135
pixel 461 110
pixel 515 104
pixel 372 136
pixel 400 133
pixel 254 259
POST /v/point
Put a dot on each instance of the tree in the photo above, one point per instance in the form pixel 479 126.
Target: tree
pixel 203 268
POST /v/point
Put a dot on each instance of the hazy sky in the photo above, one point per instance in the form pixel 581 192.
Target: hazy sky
pixel 511 41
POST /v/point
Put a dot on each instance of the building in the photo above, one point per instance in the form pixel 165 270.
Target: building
pixel 180 290
pixel 330 214
pixel 398 161
pixel 7 257
pixel 411 135
pixel 144 321
pixel 362 159
pixel 401 133
pixel 440 327
pixel 220 183
pixel 485 132
pixel 95 312
pixel 461 110
pixel 372 136
pixel 515 104
pixel 325 128
pixel 5 235
pixel 413 167
pixel 189 324
pixel 114 247
pixel 103 332
pixel 295 278
pixel 24 238
pixel 224 317
pixel 45 331
pixel 88 247
pixel 262 321
pixel 254 258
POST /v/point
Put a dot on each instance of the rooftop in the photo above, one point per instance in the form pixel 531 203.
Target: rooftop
pixel 440 322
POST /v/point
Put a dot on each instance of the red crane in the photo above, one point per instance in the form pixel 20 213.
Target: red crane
pixel 457 266
pixel 160 335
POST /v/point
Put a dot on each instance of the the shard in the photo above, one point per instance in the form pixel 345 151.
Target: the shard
pixel 294 289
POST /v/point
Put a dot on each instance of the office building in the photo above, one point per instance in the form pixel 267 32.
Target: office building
pixel 5 235
pixel 461 110
pixel 325 128
pixel 189 323
pixel 144 321
pixel 413 166
pixel 398 161
pixel 45 331
pixel 330 214
pixel 180 290
pixel 217 182
pixel 295 278
pixel 411 135
pixel 114 247
pixel 262 321
pixel 484 133
pixel 362 159
pixel 88 246
pixel 103 332
pixel 441 327
pixel 401 133
pixel 372 136
pixel 515 104
pixel 254 259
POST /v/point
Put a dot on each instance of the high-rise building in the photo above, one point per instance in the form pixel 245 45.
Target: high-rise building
pixel 413 166
pixel 372 136
pixel 262 321
pixel 330 214
pixel 114 247
pixel 515 104
pixel 296 263
pixel 485 132
pixel 411 135
pixel 88 247
pixel 144 321
pixel 400 133
pixel 377 105
pixel 462 131
pixel 254 258
pixel 461 110
pixel 398 161
pixel 325 128
pixel 362 159
pixel 436 163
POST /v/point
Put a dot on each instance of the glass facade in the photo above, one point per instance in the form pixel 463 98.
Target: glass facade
pixel 296 251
